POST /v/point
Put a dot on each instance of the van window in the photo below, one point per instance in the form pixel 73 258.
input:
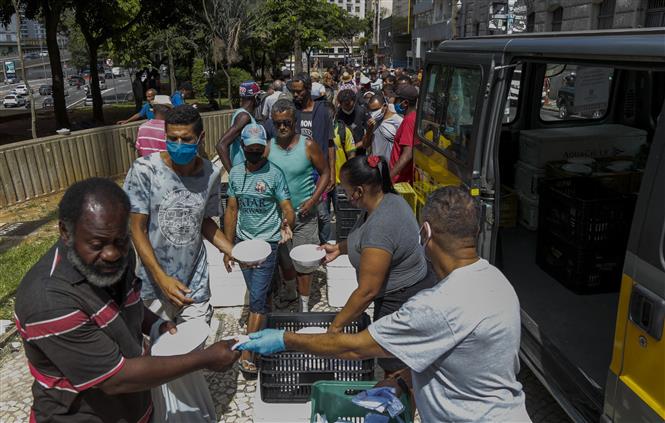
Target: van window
pixel 572 92
pixel 448 109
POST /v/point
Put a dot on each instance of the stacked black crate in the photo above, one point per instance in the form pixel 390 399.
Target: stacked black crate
pixel 346 216
pixel 583 231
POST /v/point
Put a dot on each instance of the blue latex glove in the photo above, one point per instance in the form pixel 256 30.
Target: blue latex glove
pixel 265 342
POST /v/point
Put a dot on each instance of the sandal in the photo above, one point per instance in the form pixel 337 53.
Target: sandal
pixel 248 367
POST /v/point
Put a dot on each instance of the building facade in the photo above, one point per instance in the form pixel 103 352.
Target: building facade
pixel 344 51
pixel 481 17
pixel 33 37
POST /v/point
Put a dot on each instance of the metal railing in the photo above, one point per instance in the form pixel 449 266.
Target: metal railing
pixel 34 168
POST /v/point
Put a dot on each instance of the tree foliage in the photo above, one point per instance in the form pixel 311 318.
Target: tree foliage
pixel 303 25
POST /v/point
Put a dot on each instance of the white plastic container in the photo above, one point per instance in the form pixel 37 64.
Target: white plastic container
pixel 527 215
pixel 539 146
pixel 527 178
pixel 341 283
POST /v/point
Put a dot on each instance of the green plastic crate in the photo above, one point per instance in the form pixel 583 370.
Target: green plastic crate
pixel 329 398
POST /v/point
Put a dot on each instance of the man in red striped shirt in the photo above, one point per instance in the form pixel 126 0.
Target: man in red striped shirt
pixel 151 136
pixel 82 321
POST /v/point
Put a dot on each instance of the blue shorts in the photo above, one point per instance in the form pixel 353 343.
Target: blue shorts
pixel 258 281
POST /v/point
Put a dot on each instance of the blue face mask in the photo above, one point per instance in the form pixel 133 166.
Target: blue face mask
pixel 181 153
pixel 399 109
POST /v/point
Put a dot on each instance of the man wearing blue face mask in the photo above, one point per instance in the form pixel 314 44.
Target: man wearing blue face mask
pixel 174 195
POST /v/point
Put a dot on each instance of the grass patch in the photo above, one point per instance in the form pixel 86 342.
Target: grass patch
pixel 14 263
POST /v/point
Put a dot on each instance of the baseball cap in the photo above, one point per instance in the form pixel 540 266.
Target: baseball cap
pixel 163 100
pixel 407 92
pixel 253 133
pixel 249 89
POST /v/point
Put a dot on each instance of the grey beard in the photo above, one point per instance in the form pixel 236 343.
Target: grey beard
pixel 92 275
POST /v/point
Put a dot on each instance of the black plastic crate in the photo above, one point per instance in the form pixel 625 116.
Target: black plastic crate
pixel 584 211
pixel 584 270
pixel 343 203
pixel 343 226
pixel 345 217
pixel 288 377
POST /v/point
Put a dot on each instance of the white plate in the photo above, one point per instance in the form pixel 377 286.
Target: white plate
pixel 582 160
pixel 307 255
pixel 620 166
pixel 252 252
pixel 577 168
pixel 188 337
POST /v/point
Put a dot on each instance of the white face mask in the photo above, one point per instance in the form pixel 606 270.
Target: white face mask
pixel 377 115
pixel 391 107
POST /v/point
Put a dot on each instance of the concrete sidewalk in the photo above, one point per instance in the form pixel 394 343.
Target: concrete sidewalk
pixel 236 399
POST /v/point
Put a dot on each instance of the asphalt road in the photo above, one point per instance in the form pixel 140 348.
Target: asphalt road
pixel 115 88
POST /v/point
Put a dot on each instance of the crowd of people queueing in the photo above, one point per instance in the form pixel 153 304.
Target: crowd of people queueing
pixel 446 323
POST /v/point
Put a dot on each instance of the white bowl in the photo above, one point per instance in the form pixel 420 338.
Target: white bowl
pixel 190 335
pixel 307 255
pixel 252 252
pixel 620 166
pixel 579 169
pixel 63 131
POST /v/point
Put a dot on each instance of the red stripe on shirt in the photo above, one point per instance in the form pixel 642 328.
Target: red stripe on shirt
pixel 52 382
pixel 54 326
pixel 106 314
pixel 147 415
pixel 133 297
pixel 151 137
pixel 99 379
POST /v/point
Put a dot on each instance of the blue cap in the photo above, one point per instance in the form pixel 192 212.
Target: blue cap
pixel 253 133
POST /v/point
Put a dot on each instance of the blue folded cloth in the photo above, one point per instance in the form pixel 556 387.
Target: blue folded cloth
pixel 380 400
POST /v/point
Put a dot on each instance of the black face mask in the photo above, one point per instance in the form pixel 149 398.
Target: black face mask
pixel 253 156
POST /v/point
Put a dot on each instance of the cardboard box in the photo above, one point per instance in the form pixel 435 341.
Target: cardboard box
pixel 539 146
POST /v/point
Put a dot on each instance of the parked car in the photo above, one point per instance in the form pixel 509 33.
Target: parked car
pixel 45 90
pixel 75 79
pixel 12 79
pixel 13 100
pixel 565 102
pixel 43 53
pixel 47 102
pixel 21 89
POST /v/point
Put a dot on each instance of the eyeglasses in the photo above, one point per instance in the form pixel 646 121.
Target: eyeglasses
pixel 280 123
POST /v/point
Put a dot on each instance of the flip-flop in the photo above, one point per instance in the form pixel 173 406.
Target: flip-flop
pixel 248 367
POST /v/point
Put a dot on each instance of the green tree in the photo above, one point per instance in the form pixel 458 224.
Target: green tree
pixel 306 25
pixel 49 12
pixel 229 22
pixel 99 21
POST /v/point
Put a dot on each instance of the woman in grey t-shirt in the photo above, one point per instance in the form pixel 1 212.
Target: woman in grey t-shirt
pixel 383 246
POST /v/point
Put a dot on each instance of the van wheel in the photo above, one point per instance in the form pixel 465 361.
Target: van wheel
pixel 563 111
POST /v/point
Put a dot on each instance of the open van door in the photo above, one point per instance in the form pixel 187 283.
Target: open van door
pixel 636 382
pixel 459 115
